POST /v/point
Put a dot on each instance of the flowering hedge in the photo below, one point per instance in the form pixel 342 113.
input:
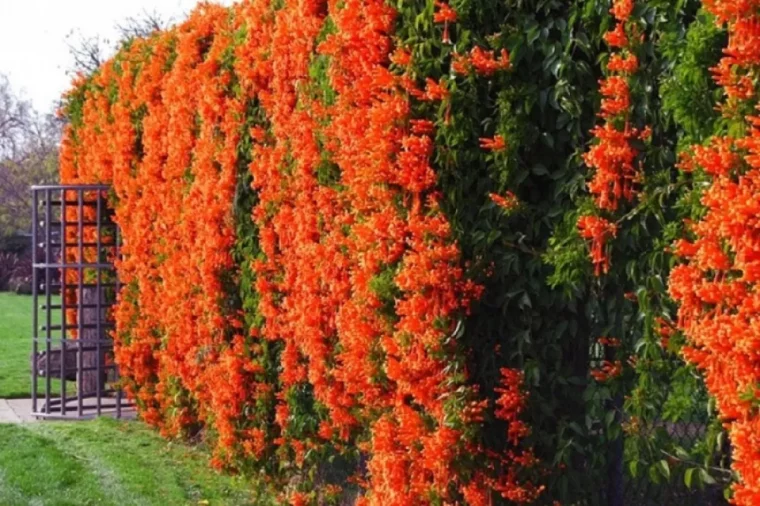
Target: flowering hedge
pixel 369 250
pixel 717 285
pixel 291 284
pixel 613 158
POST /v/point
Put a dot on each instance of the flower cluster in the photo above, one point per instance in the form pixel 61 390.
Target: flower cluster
pixel 607 370
pixel 483 62
pixel 495 144
pixel 613 156
pixel 717 285
pixel 345 341
pixel 507 202
pixel 599 231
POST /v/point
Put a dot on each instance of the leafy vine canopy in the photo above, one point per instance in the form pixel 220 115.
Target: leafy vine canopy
pixel 433 252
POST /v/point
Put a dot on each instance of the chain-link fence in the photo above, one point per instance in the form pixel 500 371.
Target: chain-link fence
pixel 660 490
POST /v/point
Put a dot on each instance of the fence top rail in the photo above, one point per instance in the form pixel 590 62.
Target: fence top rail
pixel 71 187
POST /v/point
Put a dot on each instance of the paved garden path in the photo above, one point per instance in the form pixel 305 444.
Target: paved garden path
pixel 16 411
pixel 20 411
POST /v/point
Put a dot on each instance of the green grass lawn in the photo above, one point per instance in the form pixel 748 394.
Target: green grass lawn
pixel 110 462
pixel 16 347
pixel 98 462
pixel 15 344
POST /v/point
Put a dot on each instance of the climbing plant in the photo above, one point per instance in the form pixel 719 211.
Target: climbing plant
pixel 419 252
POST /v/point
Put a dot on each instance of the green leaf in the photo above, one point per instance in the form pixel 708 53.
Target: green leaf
pixel 664 468
pixel 706 478
pixel 688 475
pixel 633 468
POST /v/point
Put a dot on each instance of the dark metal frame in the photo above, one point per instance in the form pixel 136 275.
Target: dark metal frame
pixel 57 211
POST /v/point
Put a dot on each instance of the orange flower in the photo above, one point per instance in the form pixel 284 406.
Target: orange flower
pixel 435 91
pixel 508 202
pixel 460 64
pixel 617 37
pixel 485 63
pixel 445 14
pixel 401 57
pixel 607 371
pixel 622 9
pixel 422 127
pixel 616 97
pixel 496 144
pixel 599 231
pixel 627 64
pixel 612 342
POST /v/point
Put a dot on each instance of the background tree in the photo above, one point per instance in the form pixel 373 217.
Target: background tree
pixel 29 139
pixel 89 53
pixel 28 155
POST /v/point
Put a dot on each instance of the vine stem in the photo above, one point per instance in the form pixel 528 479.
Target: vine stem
pixel 697 464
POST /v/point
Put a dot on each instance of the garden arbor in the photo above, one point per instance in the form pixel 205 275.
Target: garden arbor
pixel 74 286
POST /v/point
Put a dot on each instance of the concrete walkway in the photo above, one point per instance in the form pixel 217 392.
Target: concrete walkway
pixel 20 411
pixel 16 411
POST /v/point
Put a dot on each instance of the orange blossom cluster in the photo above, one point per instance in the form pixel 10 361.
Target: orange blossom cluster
pixel 717 286
pixel 613 156
pixel 165 122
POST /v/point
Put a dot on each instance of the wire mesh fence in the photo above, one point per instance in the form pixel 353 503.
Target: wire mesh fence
pixel 647 490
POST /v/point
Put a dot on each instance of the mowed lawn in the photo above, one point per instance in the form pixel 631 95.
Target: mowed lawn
pixel 15 345
pixel 96 462
pixel 110 462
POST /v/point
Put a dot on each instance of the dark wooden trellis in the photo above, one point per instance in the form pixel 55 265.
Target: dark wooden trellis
pixel 74 286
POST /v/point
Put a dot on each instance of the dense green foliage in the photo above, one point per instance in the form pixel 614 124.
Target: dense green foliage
pixel 543 307
pixel 543 310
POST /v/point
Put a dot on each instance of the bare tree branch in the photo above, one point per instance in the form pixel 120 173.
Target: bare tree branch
pixel 143 25
pixel 14 118
pixel 89 53
pixel 28 155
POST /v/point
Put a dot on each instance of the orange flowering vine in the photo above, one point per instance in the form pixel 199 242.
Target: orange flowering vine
pixel 285 254
pixel 613 157
pixel 716 286
pixel 508 201
pixel 599 231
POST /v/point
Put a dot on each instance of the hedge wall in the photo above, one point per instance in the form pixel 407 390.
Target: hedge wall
pixel 418 252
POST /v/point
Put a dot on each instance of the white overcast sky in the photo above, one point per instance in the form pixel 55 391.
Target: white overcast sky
pixel 34 53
